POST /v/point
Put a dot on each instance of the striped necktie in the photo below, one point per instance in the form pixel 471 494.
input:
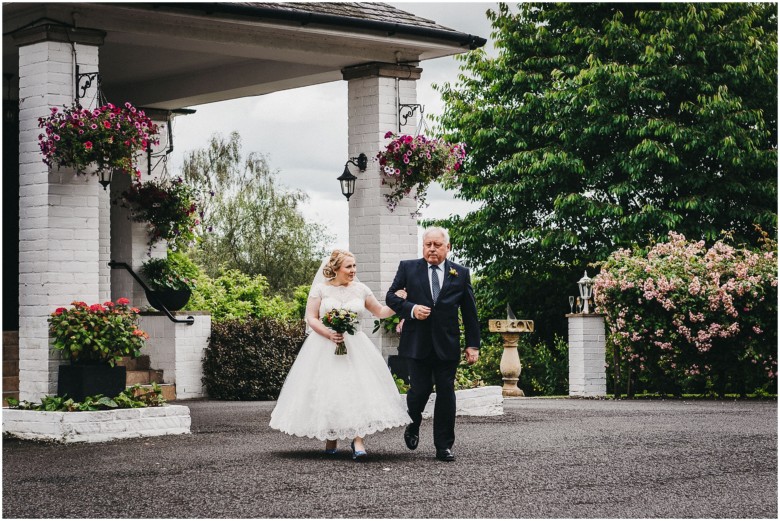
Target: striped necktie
pixel 435 289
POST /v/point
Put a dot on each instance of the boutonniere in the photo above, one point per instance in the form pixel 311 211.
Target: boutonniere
pixel 453 272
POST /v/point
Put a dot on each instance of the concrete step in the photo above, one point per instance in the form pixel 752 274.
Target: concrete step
pixel 168 391
pixel 10 345
pixel 10 383
pixel 10 367
pixel 135 364
pixel 145 376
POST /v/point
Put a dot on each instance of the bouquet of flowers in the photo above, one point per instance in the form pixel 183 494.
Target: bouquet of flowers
pixel 341 321
pixel 108 137
pixel 414 162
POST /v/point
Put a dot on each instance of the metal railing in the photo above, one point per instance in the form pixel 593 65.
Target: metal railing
pixel 119 265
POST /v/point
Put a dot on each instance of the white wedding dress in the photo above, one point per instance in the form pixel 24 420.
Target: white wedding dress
pixel 328 396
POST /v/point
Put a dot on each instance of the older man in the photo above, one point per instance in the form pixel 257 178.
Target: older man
pixel 430 340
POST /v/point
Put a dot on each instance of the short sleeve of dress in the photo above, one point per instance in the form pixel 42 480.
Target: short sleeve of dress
pixel 316 291
pixel 365 291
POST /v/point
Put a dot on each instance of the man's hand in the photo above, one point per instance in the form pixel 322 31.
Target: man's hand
pixel 472 355
pixel 421 312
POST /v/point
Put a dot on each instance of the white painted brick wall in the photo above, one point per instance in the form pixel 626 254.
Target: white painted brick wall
pixel 129 239
pixel 97 426
pixel 177 350
pixel 59 216
pixel 378 238
pixel 587 355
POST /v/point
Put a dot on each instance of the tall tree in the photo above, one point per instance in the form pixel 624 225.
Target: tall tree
pixel 257 226
pixel 604 125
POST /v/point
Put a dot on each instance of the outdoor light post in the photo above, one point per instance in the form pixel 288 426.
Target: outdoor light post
pixel 586 291
pixel 587 346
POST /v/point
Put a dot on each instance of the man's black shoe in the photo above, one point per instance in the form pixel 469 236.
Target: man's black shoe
pixel 445 455
pixel 411 437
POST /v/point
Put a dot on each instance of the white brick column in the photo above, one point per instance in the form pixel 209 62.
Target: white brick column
pixel 587 355
pixel 59 212
pixel 380 239
pixel 129 239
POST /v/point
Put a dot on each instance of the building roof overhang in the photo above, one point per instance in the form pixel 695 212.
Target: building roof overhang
pixel 174 55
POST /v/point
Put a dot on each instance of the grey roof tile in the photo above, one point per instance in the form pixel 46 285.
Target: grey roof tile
pixel 375 11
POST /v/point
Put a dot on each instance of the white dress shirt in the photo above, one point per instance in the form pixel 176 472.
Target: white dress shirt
pixel 430 280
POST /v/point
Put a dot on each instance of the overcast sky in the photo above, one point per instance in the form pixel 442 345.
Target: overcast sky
pixel 304 131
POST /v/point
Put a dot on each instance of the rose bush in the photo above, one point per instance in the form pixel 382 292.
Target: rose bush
pixel 686 318
pixel 107 137
pixel 410 162
pixel 97 334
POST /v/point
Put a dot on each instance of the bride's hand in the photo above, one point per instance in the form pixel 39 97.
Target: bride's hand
pixel 401 293
pixel 335 337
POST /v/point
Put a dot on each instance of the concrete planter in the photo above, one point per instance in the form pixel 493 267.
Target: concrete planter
pixel 481 401
pixel 97 426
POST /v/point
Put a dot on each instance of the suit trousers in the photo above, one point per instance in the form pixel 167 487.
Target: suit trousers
pixel 423 374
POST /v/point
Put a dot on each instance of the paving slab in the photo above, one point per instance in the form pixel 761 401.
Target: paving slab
pixel 544 458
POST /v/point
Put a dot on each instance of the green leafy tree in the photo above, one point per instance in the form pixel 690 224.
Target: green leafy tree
pixel 257 225
pixel 607 125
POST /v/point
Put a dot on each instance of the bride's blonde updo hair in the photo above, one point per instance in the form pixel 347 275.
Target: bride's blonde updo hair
pixel 335 262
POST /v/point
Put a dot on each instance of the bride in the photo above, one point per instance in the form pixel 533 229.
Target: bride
pixel 329 396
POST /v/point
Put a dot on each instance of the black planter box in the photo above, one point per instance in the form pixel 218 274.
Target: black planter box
pixel 80 381
pixel 173 300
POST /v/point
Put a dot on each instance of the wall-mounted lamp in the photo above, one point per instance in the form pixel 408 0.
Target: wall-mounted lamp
pixel 105 177
pixel 347 179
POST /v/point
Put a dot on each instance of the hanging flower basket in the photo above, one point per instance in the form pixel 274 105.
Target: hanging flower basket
pixel 413 162
pixel 106 138
pixel 169 207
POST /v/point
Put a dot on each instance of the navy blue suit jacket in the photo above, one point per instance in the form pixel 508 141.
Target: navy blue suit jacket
pixel 440 331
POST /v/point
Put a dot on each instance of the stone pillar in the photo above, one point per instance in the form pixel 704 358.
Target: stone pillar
pixel 129 239
pixel 587 355
pixel 178 350
pixel 380 239
pixel 59 225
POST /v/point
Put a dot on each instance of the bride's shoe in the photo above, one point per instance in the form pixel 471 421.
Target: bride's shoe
pixel 358 454
pixel 331 450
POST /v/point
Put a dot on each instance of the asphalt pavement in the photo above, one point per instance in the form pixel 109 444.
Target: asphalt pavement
pixel 544 458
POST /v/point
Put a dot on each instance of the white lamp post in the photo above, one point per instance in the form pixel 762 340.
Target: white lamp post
pixel 586 291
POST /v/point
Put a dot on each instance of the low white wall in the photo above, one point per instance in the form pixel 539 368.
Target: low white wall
pixel 97 426
pixel 481 401
pixel 177 349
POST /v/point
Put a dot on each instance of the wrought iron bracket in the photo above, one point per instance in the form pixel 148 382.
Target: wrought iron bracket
pixel 406 111
pixel 84 81
pixel 114 265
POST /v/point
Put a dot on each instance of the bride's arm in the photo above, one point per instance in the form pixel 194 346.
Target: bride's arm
pixel 313 319
pixel 377 309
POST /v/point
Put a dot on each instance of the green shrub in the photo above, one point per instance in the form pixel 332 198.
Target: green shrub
pixel 235 294
pixel 545 368
pixel 248 359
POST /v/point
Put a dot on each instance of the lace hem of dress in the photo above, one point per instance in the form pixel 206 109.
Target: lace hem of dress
pixel 348 434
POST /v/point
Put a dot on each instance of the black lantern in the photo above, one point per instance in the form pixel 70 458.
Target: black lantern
pixel 347 179
pixel 105 177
